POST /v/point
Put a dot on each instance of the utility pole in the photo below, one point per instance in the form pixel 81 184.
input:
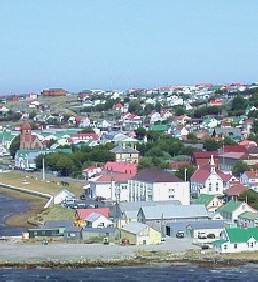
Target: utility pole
pixel 43 169
pixel 185 173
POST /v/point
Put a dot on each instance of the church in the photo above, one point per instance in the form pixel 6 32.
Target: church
pixel 29 141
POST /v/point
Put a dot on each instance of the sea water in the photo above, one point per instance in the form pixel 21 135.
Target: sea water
pixel 151 273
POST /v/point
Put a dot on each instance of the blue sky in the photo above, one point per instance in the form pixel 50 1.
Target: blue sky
pixel 82 44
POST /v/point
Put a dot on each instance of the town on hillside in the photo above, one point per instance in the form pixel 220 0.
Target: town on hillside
pixel 136 167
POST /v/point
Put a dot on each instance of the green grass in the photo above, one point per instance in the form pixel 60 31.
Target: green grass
pixel 55 212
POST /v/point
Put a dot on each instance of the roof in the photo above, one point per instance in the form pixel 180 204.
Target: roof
pixel 93 216
pixel 137 205
pixel 175 212
pixel 219 242
pixel 249 143
pixel 235 190
pixel 58 223
pixel 203 199
pixel 252 173
pixel 135 227
pixel 207 224
pixel 230 206
pixel 159 127
pixel 206 154
pixel 124 149
pixel 114 177
pixel 84 213
pixel 204 172
pixel 100 230
pixel 124 167
pixel 248 215
pixel 233 148
pixel 155 175
pixel 241 235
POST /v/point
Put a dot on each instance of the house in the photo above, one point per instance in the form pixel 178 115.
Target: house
pixel 81 215
pixel 53 92
pixel 121 167
pixel 192 228
pixel 232 210
pixel 73 233
pixel 227 160
pixel 216 103
pixel 161 215
pixel 110 186
pixel 128 211
pixel 62 196
pixel 97 220
pixel 153 184
pixel 212 202
pixel 233 192
pixel 140 234
pixel 126 153
pixel 97 235
pixel 247 143
pixel 248 220
pixel 250 179
pixel 207 228
pixel 208 180
pixel 237 240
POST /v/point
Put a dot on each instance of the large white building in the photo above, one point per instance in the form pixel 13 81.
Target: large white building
pixel 153 184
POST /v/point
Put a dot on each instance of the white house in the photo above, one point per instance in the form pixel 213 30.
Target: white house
pixel 111 186
pixel 208 180
pixel 250 179
pixel 237 240
pixel 154 184
pixel 62 196
pixel 97 220
pixel 233 209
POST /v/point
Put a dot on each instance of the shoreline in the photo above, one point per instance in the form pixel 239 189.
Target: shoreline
pixel 133 262
pixel 36 205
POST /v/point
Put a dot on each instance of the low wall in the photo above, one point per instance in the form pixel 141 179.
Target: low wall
pixel 24 190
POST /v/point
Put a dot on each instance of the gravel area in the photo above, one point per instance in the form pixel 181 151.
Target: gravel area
pixel 19 252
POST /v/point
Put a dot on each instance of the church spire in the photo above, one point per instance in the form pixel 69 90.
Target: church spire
pixel 212 164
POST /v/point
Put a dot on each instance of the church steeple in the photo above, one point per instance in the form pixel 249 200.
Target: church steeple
pixel 212 164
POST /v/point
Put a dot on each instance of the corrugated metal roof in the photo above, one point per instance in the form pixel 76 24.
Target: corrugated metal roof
pixel 135 227
pixel 175 212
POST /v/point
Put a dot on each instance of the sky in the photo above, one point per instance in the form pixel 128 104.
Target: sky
pixel 119 44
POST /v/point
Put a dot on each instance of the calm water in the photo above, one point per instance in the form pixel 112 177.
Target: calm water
pixel 9 207
pixel 164 273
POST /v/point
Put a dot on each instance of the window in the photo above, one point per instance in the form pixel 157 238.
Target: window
pixel 157 221
pixel 171 196
pixel 225 247
pixel 217 186
pixel 235 246
pixel 210 186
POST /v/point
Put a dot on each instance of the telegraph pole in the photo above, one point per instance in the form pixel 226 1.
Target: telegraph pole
pixel 43 169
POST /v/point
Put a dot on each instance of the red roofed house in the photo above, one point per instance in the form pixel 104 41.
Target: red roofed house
pixel 121 167
pixel 203 158
pixel 210 181
pixel 29 141
pixel 111 187
pixel 216 103
pixel 248 143
pixel 82 215
pixel 118 107
pixel 85 136
pixel 233 192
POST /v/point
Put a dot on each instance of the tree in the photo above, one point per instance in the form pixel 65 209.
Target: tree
pixel 180 111
pixel 143 163
pixel 238 103
pixel 229 141
pixel 192 137
pixel 185 171
pixel 86 129
pixel 15 145
pixel 240 167
pixel 140 133
pixel 134 107
pixel 211 145
pixel 251 197
pixel 255 127
pixel 65 165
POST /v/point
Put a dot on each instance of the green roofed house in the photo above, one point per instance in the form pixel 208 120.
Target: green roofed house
pixel 233 209
pixel 159 127
pixel 212 202
pixel 237 240
pixel 6 138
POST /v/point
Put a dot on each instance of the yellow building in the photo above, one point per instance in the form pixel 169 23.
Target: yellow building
pixel 140 234
pixel 126 154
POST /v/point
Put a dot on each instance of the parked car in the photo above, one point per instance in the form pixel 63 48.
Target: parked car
pixel 180 234
pixel 202 235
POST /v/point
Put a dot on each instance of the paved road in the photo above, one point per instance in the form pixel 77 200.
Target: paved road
pixel 17 252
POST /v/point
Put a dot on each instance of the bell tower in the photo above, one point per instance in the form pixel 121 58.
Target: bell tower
pixel 25 140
